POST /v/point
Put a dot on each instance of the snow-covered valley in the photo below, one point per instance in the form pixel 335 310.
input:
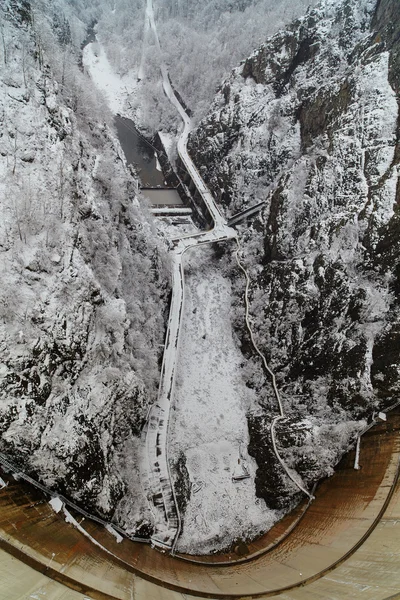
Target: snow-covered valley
pixel 187 449
pixel 209 432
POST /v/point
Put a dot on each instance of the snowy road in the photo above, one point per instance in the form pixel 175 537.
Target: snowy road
pixel 161 493
pixel 167 522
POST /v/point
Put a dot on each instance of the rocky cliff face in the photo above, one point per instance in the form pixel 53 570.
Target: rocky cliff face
pixel 309 125
pixel 84 283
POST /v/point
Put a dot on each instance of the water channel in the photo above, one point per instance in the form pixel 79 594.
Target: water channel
pixel 141 155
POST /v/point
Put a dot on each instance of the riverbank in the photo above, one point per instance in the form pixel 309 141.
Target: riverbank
pixel 118 90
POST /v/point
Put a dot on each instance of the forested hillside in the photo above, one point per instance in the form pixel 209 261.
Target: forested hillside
pixel 309 125
pixel 84 278
pixel 201 42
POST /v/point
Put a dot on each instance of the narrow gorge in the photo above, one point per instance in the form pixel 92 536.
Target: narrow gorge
pixel 200 327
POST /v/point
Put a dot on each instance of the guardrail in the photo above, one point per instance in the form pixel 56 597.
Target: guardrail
pixel 9 466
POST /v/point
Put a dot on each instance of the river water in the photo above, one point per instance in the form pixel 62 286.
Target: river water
pixel 142 157
pixel 138 153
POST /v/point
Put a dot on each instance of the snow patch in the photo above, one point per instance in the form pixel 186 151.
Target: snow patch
pixel 117 90
pixel 111 530
pixel 56 504
pixel 210 425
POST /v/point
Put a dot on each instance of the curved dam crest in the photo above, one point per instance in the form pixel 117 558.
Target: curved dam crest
pixel 347 536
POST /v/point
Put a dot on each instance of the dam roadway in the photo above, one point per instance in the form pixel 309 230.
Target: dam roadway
pixel 345 544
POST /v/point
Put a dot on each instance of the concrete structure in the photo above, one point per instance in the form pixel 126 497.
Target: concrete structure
pixel 171 211
pixel 201 213
pixel 345 545
pixel 162 196
pixel 246 213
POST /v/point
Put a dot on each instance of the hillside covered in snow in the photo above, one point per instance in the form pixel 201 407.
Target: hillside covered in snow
pixel 307 127
pixel 200 41
pixel 85 280
pixel 308 124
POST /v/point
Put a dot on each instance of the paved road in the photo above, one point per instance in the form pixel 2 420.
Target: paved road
pixel 165 510
pixel 167 522
pixel 329 554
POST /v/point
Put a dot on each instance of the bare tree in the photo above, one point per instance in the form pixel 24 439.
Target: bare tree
pixel 25 56
pixel 4 43
pixel 13 136
pixel 61 187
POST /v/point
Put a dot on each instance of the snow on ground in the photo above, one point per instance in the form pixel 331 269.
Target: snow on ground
pixel 209 423
pixel 62 381
pixel 169 142
pixel 116 89
pixel 56 504
pixel 175 227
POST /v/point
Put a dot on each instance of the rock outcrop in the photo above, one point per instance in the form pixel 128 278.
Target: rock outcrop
pixel 309 125
pixel 84 288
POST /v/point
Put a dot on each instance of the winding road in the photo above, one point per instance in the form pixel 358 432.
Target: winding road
pixel 160 489
pixel 167 522
pixel 346 544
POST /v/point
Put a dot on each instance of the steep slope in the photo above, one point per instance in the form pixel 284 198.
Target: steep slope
pixel 309 124
pixel 84 280
pixel 200 41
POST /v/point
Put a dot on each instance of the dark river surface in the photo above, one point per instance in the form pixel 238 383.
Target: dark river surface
pixel 138 153
pixel 141 156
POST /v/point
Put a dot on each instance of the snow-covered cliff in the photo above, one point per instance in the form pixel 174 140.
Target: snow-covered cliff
pixel 309 124
pixel 84 279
